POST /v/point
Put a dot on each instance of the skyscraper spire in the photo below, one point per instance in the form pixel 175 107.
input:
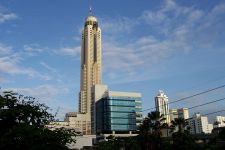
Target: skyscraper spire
pixel 90 8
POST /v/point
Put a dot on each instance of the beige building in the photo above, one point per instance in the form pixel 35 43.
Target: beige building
pixel 78 122
pixel 91 65
pixel 179 113
pixel 90 74
pixel 73 120
pixel 162 106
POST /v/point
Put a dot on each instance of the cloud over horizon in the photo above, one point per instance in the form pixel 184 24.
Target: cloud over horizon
pixel 183 37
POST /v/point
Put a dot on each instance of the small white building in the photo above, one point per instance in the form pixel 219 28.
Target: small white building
pixel 199 124
pixel 219 121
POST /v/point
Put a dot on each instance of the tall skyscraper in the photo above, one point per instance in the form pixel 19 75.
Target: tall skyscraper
pixel 161 104
pixel 91 65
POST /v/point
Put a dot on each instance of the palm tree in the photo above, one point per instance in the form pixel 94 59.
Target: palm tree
pixel 182 140
pixel 180 123
pixel 151 131
pixel 157 124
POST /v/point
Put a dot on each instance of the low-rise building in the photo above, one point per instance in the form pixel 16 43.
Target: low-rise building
pixel 79 122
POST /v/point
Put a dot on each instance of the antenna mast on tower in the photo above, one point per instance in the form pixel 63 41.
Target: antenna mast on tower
pixel 90 8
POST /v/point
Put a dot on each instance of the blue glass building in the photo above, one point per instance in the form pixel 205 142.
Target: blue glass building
pixel 119 112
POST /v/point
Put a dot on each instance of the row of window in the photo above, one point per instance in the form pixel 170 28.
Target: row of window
pixel 123 98
pixel 117 102
pixel 122 127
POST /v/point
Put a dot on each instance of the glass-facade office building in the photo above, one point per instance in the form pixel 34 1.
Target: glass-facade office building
pixel 118 113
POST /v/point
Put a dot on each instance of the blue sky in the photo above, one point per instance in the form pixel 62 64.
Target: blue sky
pixel 148 45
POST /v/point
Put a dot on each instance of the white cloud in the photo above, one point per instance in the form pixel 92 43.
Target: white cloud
pixel 117 25
pixel 131 60
pixel 161 15
pixel 128 61
pixel 218 9
pixel 48 67
pixel 6 16
pixel 5 49
pixel 34 49
pixel 49 94
pixel 9 65
pixel 71 51
pixel 42 91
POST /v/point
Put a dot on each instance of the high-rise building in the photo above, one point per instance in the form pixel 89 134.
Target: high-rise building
pixel 162 106
pixel 91 66
pixel 199 124
pixel 90 74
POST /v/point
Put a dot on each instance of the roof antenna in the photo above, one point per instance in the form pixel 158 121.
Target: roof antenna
pixel 90 8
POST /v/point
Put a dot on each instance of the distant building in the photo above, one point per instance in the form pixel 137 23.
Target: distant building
pixel 162 106
pixel 115 112
pixel 179 113
pixel 219 121
pixel 199 124
pixel 79 122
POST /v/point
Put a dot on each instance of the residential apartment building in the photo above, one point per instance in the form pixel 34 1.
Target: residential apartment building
pixel 219 121
pixel 199 124
pixel 162 106
pixel 179 113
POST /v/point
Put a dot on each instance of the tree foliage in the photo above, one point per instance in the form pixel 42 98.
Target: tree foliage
pixel 181 123
pixel 151 131
pixel 23 125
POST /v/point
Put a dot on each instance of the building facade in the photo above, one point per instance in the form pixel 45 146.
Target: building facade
pixel 79 122
pixel 199 124
pixel 90 74
pixel 117 112
pixel 98 92
pixel 91 66
pixel 219 121
pixel 179 113
pixel 162 106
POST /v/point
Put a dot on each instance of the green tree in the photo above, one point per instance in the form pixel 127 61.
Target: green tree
pixel 112 144
pixel 181 123
pixel 151 131
pixel 182 139
pixel 23 125
pixel 157 124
